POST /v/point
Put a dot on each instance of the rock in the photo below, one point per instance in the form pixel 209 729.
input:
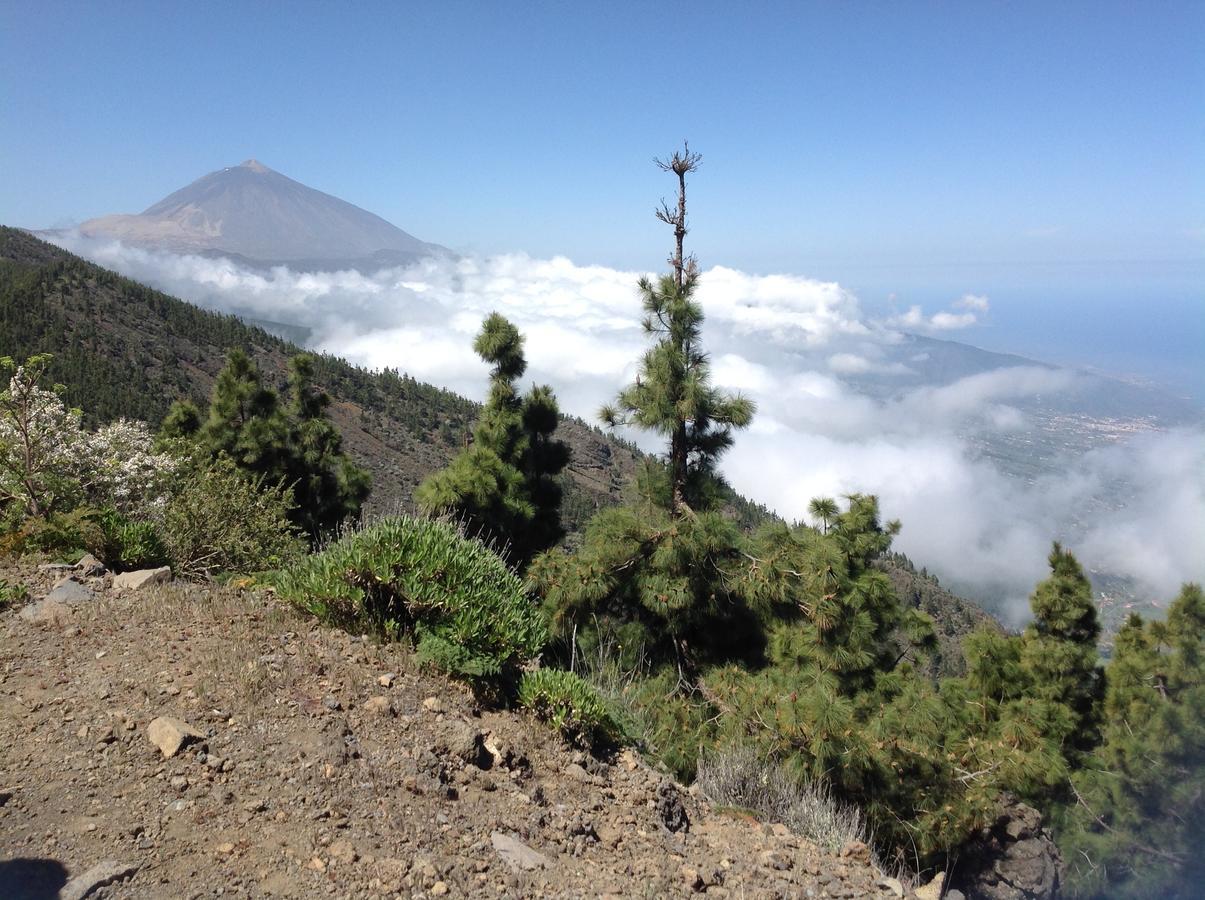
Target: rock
pixel 98 876
pixel 386 680
pixel 466 743
pixel 433 704
pixel 932 890
pixel 141 579
pixel 90 566
pixel 670 809
pixel 691 877
pixel 71 593
pixel 53 568
pixel 517 854
pixel 857 851
pixel 331 702
pixel 47 612
pixel 439 889
pixel 776 859
pixel 343 852
pixel 378 706
pixel 179 783
pixel 170 734
pixel 894 885
pixel 1014 859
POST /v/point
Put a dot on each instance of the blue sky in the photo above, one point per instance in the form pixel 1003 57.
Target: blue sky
pixel 1048 155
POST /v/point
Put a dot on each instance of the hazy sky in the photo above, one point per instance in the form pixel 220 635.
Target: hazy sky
pixel 1047 155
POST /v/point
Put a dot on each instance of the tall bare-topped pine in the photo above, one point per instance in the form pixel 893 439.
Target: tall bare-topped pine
pixel 672 394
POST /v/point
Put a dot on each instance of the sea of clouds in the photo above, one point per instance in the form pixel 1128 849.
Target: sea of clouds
pixel 792 344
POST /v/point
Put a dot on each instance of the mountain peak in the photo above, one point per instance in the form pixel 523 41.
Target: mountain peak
pixel 240 211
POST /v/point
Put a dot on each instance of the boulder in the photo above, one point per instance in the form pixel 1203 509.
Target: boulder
pixel 70 592
pixel 141 579
pixel 90 566
pixel 99 876
pixel 47 612
pixel 515 853
pixel 1013 859
pixel 170 734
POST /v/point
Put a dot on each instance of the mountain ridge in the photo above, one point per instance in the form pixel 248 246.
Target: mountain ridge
pixel 261 217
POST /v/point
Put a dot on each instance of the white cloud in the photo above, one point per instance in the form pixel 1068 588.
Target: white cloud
pixel 977 302
pixel 796 346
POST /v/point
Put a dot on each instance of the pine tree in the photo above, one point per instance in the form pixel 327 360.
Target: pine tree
pixel 328 488
pixel 1058 651
pixel 1136 824
pixel 505 483
pixel 672 394
pixel 292 444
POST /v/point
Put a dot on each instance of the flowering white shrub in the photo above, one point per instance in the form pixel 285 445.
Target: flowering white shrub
pixel 39 443
pixel 117 466
pixel 49 463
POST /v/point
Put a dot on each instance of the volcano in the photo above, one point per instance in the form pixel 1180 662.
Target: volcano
pixel 260 217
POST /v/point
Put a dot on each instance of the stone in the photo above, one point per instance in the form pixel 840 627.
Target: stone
pixel 517 854
pixel 894 885
pixel 857 851
pixel 932 890
pixel 100 875
pixel 47 612
pixel 169 734
pixel 776 859
pixel 386 680
pixel 141 579
pixel 90 567
pixel 331 702
pixel 71 593
pixel 343 852
pixel 379 706
pixel 433 704
pixel 464 742
pixel 439 889
pixel 1014 859
pixel 670 809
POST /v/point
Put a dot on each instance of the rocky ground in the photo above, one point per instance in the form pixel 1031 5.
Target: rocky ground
pixel 287 759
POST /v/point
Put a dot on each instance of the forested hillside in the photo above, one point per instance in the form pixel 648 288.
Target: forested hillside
pixel 122 349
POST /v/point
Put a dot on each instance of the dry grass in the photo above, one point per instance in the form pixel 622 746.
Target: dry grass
pixel 737 778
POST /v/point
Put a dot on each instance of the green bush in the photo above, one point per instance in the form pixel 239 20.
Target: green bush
pixel 64 536
pixel 570 705
pixel 139 546
pixel 220 519
pixel 466 610
pixel 12 594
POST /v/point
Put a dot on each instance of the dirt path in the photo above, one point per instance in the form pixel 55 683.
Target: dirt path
pixel 328 766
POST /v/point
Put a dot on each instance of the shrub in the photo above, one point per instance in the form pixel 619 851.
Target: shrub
pixel 12 594
pixel 467 611
pixel 139 546
pixel 65 536
pixel 737 777
pixel 221 520
pixel 570 705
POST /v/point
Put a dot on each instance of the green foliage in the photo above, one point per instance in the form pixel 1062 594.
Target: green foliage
pixel 12 594
pixel 570 706
pixel 290 443
pixel 1135 826
pixel 221 519
pixel 467 611
pixel 505 485
pixel 1058 652
pixel 62 536
pixel 672 395
pixel 138 545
